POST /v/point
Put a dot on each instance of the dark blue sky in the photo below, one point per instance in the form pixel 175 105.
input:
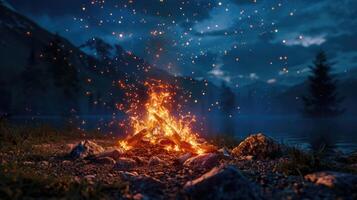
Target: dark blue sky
pixel 237 41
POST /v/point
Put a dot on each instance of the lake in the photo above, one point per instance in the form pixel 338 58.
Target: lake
pixel 293 130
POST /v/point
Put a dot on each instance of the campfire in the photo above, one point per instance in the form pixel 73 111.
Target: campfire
pixel 158 126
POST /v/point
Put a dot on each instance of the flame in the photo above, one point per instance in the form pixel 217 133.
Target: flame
pixel 160 127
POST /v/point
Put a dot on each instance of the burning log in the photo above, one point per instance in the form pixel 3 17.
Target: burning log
pixel 131 141
pixel 176 138
pixel 160 128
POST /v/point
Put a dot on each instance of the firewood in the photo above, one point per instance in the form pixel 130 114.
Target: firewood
pixel 137 137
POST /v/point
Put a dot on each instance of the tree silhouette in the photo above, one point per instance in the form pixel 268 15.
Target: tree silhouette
pixel 64 73
pixel 323 99
pixel 33 75
pixel 33 80
pixel 228 103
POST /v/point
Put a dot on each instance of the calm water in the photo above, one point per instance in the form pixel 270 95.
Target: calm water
pixel 306 133
pixel 340 134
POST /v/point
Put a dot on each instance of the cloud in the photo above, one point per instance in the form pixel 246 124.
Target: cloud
pixel 253 76
pixel 271 81
pixel 306 41
pixel 219 74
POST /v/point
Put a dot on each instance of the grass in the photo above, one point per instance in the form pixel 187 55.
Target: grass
pixel 21 136
pixel 302 163
pixel 18 181
pixel 24 183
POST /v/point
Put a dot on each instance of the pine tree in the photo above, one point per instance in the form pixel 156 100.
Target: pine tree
pixel 33 80
pixel 33 75
pixel 323 100
pixel 228 103
pixel 228 99
pixel 64 73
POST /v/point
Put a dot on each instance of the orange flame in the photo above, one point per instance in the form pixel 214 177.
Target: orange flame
pixel 160 127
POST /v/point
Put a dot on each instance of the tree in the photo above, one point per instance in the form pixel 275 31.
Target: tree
pixel 228 100
pixel 323 99
pixel 228 103
pixel 33 80
pixel 64 73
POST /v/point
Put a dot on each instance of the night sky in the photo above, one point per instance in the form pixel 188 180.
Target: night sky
pixel 237 41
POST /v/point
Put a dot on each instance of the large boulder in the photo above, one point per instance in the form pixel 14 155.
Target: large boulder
pixel 259 146
pixel 207 160
pixel 224 182
pixel 86 149
pixel 336 180
pixel 148 186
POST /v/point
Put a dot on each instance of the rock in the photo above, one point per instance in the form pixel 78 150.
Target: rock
pixel 140 196
pixel 90 179
pixel 331 179
pixel 44 163
pixel 114 154
pixel 259 146
pixel 207 160
pixel 125 163
pixel 146 185
pixel 155 161
pixel 85 149
pixel 248 158
pixel 182 159
pixel 224 151
pixel 27 163
pixel 66 162
pixel 105 160
pixel 140 160
pixel 224 182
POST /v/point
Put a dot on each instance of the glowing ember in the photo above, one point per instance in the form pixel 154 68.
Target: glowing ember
pixel 158 126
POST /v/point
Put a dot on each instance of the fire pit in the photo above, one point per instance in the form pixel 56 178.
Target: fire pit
pixel 160 127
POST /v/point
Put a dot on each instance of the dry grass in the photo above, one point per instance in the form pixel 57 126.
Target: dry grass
pixel 18 181
pixel 301 163
pixel 24 183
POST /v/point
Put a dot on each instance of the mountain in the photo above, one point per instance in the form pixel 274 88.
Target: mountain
pixel 277 99
pixel 30 52
pixel 6 4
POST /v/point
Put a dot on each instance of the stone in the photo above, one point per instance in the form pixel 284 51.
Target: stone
pixel 28 163
pixel 140 196
pixel 44 163
pixel 86 149
pixel 207 160
pixel 66 162
pixel 114 154
pixel 90 179
pixel 155 161
pixel 224 151
pixel 124 163
pixel 105 160
pixel 259 146
pixel 224 182
pixel 332 179
pixel 149 187
pixel 182 159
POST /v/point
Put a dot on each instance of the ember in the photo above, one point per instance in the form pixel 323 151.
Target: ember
pixel 158 126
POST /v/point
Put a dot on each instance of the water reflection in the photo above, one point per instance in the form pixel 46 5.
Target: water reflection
pixel 323 135
pixel 340 134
